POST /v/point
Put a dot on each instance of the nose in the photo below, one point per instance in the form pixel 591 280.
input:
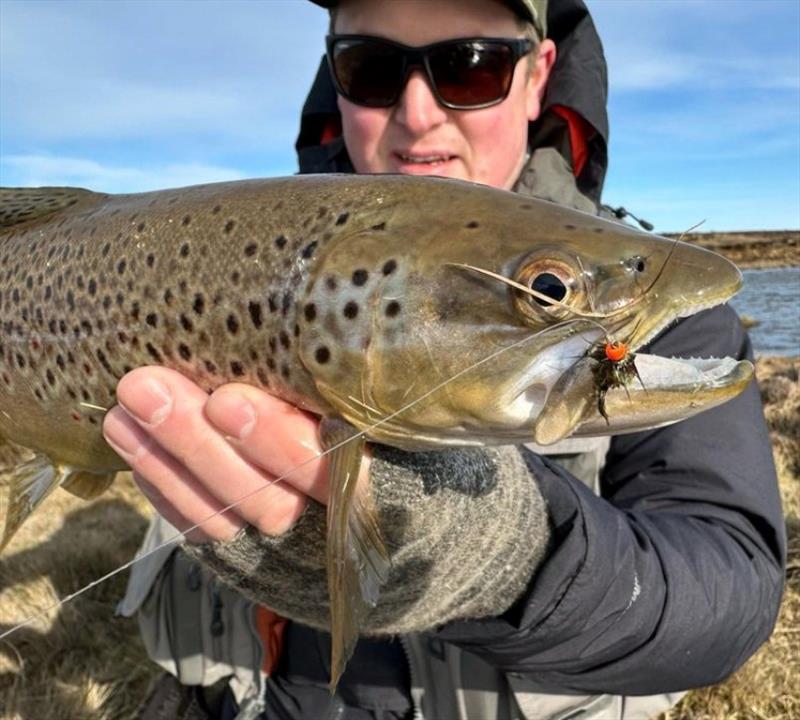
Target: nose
pixel 417 110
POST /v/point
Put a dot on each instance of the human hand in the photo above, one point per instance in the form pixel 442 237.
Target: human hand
pixel 193 454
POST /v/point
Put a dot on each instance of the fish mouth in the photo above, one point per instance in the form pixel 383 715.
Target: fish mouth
pixel 667 390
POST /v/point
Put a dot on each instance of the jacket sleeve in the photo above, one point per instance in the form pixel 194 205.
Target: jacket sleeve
pixel 673 578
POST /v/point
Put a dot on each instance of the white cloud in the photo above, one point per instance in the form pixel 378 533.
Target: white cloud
pixel 45 170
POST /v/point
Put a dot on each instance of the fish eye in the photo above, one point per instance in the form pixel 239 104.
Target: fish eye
pixel 553 275
pixel 550 285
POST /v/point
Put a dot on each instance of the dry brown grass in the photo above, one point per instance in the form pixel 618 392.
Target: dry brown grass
pixel 82 662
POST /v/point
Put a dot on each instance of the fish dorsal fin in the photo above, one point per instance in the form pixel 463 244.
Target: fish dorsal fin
pixel 21 205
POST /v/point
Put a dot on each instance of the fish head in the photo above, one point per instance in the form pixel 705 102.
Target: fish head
pixel 459 314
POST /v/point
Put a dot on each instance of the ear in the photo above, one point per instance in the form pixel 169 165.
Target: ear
pixel 537 81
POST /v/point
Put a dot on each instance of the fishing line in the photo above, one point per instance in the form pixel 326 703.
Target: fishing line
pixel 176 538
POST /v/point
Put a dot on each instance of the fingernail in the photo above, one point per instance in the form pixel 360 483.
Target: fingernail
pixel 151 403
pixel 123 438
pixel 231 414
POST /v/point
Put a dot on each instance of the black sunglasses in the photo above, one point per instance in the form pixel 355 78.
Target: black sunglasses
pixel 464 74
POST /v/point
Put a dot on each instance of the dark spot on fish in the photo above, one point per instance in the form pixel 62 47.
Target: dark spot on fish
pixel 168 296
pixel 151 319
pixel 250 249
pixel 393 309
pixel 272 301
pixel 351 310
pixel 285 371
pixel 140 227
pixel 270 363
pixel 310 312
pixel 389 267
pixel 184 250
pixel 526 206
pixel 235 277
pixel 122 337
pixel 262 377
pixel 599 230
pixel 273 344
pixel 183 286
pixel 330 282
pixel 87 368
pixel 280 242
pixel 105 249
pixel 186 324
pixel 342 219
pixel 284 339
pixel 286 302
pixel 254 309
pixel 121 266
pixel 150 260
pixel 308 250
pixel 322 355
pixel 184 351
pixel 229 226
pixel 210 367
pixel 101 356
pixel 215 210
pixel 38 394
pixel 360 277
pixel 569 226
pixel 60 362
pixel 186 220
pixel 236 368
pixel 199 304
pixel 233 324
pixel 70 300
pixel 92 287
pixel 472 224
pixel 380 226
pixel 135 310
pixel 153 352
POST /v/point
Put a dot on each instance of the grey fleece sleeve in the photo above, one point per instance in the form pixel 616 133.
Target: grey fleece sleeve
pixel 465 530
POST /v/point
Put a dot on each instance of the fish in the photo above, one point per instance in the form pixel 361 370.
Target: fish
pixel 416 312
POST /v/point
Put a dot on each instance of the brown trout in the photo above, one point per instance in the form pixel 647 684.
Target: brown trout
pixel 349 296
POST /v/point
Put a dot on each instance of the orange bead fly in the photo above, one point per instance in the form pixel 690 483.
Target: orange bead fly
pixel 615 366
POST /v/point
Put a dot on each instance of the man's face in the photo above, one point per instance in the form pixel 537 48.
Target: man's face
pixel 417 136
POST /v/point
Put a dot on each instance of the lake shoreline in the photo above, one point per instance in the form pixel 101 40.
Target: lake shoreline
pixel 753 249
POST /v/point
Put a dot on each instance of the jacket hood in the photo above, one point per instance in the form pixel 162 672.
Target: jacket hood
pixel 573 120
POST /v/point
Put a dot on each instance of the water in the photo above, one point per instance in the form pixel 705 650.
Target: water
pixel 772 296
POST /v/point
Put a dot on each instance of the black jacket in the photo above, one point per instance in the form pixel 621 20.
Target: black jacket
pixel 671 578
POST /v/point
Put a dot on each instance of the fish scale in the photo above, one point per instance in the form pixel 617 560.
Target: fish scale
pixel 405 308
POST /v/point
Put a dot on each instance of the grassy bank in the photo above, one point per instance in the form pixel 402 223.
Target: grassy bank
pixel 82 662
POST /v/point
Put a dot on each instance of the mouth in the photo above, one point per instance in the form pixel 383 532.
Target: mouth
pixel 414 162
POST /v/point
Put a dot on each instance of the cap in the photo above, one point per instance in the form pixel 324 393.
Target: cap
pixel 534 11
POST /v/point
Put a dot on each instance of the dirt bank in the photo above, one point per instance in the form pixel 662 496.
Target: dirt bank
pixel 752 249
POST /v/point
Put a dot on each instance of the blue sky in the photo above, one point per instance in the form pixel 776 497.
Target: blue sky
pixel 126 96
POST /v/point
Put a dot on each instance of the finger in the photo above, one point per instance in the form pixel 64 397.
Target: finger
pixel 273 435
pixel 172 516
pixel 169 486
pixel 169 408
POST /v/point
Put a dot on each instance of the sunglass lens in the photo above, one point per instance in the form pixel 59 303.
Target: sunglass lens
pixel 369 73
pixel 472 74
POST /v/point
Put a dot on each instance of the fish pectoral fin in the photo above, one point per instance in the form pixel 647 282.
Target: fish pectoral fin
pixel 357 560
pixel 88 485
pixel 29 484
